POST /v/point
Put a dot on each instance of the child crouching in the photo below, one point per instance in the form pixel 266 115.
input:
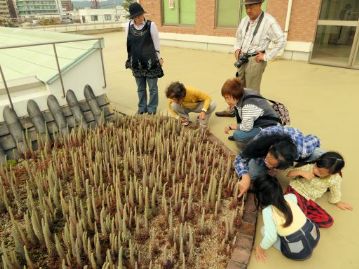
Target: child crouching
pixel 285 225
pixel 313 180
pixel 183 100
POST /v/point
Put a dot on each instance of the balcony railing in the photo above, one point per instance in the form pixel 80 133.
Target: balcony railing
pixel 100 40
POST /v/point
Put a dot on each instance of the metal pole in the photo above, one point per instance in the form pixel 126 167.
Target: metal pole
pixel 6 88
pixel 354 51
pixel 59 70
pixel 103 68
pixel 49 43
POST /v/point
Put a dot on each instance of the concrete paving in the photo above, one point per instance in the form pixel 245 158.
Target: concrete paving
pixel 321 100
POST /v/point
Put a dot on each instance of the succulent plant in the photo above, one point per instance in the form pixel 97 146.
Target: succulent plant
pixel 138 192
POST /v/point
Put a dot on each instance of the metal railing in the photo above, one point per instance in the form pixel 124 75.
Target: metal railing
pixel 59 72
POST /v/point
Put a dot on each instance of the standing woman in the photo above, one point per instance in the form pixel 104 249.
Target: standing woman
pixel 143 48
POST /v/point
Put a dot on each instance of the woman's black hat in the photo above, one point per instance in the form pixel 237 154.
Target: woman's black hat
pixel 135 10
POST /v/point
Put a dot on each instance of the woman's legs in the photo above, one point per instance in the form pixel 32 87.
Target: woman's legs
pixel 245 137
pixel 153 89
pixel 198 109
pixel 300 244
pixel 318 215
pixel 181 111
pixel 142 94
pixel 184 112
pixel 312 210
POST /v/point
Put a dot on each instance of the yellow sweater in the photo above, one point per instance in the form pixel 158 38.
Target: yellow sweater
pixel 191 100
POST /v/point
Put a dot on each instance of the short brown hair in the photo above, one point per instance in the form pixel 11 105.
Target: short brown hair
pixel 233 87
pixel 176 90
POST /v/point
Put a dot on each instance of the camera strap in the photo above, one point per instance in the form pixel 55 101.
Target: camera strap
pixel 255 30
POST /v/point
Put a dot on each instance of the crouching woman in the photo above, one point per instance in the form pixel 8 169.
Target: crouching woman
pixel 184 99
pixel 252 111
pixel 285 225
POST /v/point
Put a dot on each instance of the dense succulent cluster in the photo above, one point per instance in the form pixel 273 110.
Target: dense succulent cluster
pixel 140 192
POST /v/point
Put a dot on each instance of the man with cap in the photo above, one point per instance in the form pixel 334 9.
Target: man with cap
pixel 254 35
pixel 144 59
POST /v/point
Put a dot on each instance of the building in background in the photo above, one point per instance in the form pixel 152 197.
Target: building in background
pixel 7 9
pixel 321 31
pixel 67 5
pixel 38 8
pixel 4 9
pixel 105 15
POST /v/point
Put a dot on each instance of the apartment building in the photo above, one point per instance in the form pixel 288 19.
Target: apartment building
pixel 38 8
pixel 66 5
pixel 7 9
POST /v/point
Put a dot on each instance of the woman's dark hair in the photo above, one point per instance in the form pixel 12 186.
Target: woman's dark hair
pixel 176 90
pixel 280 146
pixel 233 87
pixel 332 161
pixel 269 192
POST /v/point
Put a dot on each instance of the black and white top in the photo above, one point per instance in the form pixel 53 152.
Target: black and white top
pixel 254 112
pixel 249 113
pixel 154 34
pixel 143 50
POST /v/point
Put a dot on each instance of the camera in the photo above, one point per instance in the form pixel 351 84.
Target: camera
pixel 243 59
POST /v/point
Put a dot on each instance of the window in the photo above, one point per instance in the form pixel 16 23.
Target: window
pixel 94 18
pixel 336 41
pixel 230 12
pixel 347 10
pixel 179 12
pixel 107 17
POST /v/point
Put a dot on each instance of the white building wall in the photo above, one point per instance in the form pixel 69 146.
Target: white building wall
pixel 89 71
pixel 88 15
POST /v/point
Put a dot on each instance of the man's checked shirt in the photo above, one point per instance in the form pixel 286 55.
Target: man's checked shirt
pixel 306 144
